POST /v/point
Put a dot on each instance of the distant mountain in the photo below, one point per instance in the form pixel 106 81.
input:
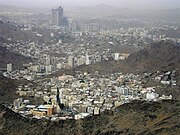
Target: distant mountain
pixel 100 11
pixel 170 15
pixel 8 8
pixel 106 8
pixel 138 117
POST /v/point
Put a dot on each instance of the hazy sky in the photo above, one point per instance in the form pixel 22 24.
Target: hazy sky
pixel 132 4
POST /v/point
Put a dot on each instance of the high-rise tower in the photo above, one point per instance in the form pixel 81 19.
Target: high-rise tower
pixel 57 17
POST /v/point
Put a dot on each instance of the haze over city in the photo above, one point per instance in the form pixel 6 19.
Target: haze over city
pixel 89 67
pixel 132 4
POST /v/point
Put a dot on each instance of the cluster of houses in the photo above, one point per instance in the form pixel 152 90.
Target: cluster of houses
pixel 70 97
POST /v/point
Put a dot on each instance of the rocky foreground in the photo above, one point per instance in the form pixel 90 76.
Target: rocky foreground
pixel 136 118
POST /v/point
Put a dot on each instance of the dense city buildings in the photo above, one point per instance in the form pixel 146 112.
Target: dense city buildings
pixel 59 49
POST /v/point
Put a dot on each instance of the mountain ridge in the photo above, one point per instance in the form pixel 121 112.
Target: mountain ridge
pixel 159 55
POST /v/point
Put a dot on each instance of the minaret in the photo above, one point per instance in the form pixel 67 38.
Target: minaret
pixel 87 59
pixel 58 98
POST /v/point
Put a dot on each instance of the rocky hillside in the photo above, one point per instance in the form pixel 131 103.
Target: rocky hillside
pixel 11 32
pixel 137 118
pixel 6 56
pixel 7 90
pixel 159 56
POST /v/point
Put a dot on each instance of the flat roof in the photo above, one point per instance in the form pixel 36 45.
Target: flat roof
pixel 44 106
pixel 30 106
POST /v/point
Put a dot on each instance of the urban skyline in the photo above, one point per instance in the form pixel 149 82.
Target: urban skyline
pixel 131 4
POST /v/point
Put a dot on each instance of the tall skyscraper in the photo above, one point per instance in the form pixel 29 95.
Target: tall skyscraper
pixel 54 17
pixel 57 17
